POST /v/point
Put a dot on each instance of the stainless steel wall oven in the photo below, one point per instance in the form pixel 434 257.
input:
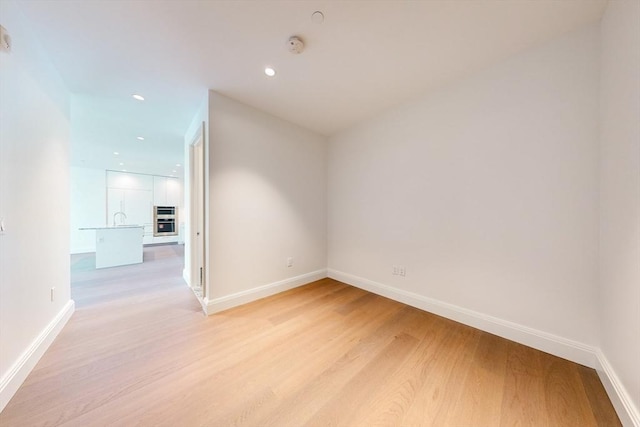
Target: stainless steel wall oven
pixel 164 221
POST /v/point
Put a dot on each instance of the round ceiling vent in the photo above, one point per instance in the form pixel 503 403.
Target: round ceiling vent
pixel 317 17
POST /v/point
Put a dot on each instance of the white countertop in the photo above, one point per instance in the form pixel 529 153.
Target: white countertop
pixel 117 227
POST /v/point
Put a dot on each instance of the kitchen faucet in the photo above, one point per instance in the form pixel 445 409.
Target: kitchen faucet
pixel 119 213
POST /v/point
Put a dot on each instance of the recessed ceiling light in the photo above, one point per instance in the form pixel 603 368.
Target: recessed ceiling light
pixel 178 164
pixel 115 153
pixel 173 171
pixel 121 164
pixel 140 138
pixel 138 97
pixel 270 71
pixel 123 170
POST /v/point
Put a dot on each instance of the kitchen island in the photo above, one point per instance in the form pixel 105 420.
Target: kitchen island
pixel 120 245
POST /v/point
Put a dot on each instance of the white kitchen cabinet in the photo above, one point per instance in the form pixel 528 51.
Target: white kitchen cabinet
pixel 115 204
pixel 166 191
pixel 174 192
pixel 129 181
pixel 160 191
pixel 136 205
pixel 147 236
pixel 117 246
pixel 135 195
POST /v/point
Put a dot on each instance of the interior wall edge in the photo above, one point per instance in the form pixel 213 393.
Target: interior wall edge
pixel 18 373
pixel 219 304
pixel 620 398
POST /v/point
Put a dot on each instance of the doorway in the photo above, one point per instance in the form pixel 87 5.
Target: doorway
pixel 197 215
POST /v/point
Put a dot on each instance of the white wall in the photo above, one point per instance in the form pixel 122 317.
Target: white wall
pixel 34 203
pixel 485 191
pixel 88 207
pixel 267 202
pixel 620 195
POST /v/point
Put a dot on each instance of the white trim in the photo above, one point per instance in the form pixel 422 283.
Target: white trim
pixel 620 398
pixel 233 300
pixel 544 341
pixel 13 379
pixel 186 277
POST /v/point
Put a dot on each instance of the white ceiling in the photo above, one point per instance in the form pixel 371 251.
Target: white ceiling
pixel 366 57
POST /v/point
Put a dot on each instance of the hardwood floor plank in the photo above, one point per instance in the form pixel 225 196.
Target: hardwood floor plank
pixel 391 402
pixel 599 403
pixel 481 396
pixel 354 354
pixel 138 351
pixel 442 385
pixel 342 409
pixel 524 402
pixel 562 387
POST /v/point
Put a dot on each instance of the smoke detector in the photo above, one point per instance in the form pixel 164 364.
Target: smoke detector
pixel 295 45
pixel 5 40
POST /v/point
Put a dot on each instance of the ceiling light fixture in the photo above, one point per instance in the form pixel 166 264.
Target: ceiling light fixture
pixel 138 97
pixel 121 164
pixel 115 153
pixel 141 138
pixel 173 171
pixel 270 71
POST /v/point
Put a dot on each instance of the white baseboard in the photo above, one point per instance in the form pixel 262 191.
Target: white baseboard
pixel 622 402
pixel 223 303
pixel 186 276
pixel 562 347
pixel 16 375
pixel 544 341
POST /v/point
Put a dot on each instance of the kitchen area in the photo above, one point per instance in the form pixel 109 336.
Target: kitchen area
pixel 116 213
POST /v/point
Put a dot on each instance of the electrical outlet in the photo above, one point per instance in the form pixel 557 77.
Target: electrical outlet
pixel 290 262
pixel 402 270
pixel 53 293
pixel 395 270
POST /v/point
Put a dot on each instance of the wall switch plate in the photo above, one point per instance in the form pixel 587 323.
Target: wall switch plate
pixel 403 270
pixel 396 270
pixel 290 262
pixel 53 293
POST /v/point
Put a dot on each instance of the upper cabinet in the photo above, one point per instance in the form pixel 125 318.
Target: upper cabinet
pixel 160 191
pixel 174 192
pixel 166 191
pixel 129 181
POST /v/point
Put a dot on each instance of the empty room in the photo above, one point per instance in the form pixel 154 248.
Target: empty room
pixel 349 213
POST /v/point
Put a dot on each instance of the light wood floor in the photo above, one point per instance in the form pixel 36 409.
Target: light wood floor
pixel 138 351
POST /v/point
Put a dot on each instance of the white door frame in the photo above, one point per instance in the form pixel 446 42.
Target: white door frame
pixel 197 209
